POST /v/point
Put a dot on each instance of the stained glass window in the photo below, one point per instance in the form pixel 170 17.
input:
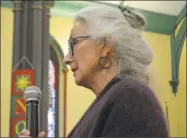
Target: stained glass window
pixel 52 95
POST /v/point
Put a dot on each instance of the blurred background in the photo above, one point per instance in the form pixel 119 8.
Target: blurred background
pixel 34 39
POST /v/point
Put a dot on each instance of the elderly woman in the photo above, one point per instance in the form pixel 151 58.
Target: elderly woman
pixel 108 55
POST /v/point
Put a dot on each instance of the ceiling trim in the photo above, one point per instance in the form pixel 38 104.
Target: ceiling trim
pixel 156 22
pixel 181 15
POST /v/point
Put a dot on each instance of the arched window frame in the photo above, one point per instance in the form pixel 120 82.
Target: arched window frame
pixel 56 55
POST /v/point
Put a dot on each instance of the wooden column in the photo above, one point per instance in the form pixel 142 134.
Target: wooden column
pixel 45 61
pixel 31 42
pixel 17 36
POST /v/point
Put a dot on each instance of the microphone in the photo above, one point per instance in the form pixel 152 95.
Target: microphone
pixel 32 96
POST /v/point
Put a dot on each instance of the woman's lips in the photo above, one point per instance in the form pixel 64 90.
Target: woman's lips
pixel 74 70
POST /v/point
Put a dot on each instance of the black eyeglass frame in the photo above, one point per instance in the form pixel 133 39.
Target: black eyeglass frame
pixel 73 41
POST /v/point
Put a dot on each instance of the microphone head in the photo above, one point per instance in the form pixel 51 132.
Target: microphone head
pixel 32 93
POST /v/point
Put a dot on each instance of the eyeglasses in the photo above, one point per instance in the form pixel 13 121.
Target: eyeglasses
pixel 73 41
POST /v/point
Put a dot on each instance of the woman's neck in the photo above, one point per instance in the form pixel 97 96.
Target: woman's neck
pixel 100 80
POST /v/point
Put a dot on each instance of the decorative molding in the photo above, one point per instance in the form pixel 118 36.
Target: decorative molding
pixel 181 15
pixel 17 10
pixel 156 22
pixel 177 43
pixel 54 44
pixel 57 56
pixel 37 7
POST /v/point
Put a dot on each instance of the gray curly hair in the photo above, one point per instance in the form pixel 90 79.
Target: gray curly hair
pixel 132 54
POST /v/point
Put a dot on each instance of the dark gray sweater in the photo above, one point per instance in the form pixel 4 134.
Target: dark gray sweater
pixel 125 108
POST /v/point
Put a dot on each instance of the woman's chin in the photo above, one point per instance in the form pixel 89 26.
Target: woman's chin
pixel 77 80
pixel 78 83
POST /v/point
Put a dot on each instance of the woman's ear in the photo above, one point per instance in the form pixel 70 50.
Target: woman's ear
pixel 106 46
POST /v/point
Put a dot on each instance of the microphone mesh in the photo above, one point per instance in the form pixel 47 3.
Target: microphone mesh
pixel 32 93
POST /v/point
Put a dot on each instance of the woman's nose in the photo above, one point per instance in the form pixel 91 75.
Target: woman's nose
pixel 67 59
